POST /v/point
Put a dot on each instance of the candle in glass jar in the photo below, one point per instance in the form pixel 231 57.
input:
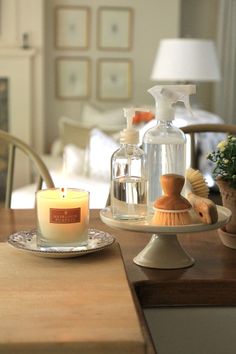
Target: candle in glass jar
pixel 62 217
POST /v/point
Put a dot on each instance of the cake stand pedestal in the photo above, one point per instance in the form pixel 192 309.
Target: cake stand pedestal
pixel 164 250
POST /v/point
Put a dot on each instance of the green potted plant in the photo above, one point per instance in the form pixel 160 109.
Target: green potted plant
pixel 224 173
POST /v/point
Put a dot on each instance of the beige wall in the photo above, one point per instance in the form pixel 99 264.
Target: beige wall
pixel 199 20
pixel 154 19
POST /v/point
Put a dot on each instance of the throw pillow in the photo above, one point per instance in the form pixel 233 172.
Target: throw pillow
pixel 101 148
pixel 75 160
pixel 109 121
pixel 72 132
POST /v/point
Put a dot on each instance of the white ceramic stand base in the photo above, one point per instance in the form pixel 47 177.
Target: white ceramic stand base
pixel 164 250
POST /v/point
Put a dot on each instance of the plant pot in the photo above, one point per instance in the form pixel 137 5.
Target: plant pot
pixel 228 195
pixel 228 239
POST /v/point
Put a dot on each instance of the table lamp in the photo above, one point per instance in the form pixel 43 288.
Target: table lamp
pixel 186 60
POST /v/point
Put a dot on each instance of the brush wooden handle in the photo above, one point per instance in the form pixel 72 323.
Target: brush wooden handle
pixel 205 208
pixel 172 185
pixel 172 208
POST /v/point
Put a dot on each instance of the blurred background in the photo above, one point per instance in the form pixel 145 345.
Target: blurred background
pixel 33 25
pixel 71 65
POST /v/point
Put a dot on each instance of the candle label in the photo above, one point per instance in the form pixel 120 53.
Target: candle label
pixel 65 216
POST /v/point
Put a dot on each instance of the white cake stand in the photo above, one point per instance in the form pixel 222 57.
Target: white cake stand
pixel 164 250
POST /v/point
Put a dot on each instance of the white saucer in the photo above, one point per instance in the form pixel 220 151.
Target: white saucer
pixel 26 241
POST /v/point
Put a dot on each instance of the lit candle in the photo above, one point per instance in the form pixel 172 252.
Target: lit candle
pixel 62 217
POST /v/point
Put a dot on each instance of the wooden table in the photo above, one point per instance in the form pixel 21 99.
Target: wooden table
pixel 75 305
pixel 211 281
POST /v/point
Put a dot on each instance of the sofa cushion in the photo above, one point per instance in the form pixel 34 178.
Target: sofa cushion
pixel 101 148
pixel 109 121
pixel 73 132
pixel 75 161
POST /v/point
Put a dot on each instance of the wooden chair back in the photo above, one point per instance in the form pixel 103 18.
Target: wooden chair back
pixel 192 130
pixel 42 172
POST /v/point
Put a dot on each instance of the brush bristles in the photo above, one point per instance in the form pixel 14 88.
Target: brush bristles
pixel 172 218
pixel 198 183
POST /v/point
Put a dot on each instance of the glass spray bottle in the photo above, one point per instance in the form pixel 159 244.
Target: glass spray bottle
pixel 164 144
pixel 128 183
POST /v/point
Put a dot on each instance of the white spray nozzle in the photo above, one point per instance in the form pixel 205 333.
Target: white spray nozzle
pixel 129 114
pixel 130 135
pixel 166 95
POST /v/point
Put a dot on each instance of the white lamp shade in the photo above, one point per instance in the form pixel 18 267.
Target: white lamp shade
pixel 186 60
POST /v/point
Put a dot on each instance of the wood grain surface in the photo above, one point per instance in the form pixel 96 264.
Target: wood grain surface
pixel 78 305
pixel 211 281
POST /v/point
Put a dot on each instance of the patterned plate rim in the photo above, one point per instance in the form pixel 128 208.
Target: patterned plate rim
pixel 106 241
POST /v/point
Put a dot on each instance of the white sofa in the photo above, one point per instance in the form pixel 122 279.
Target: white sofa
pixel 24 198
pixel 86 145
pixel 80 157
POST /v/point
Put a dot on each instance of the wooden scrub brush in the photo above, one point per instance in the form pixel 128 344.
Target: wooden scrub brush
pixel 172 208
pixel 198 183
pixel 197 191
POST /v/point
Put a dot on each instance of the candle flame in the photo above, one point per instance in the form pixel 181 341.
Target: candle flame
pixel 63 192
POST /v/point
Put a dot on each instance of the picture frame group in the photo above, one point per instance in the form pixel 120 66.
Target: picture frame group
pixel 113 32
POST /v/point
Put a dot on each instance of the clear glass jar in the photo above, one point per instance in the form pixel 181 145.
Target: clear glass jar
pixel 128 183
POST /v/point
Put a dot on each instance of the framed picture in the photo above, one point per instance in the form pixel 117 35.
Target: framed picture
pixel 114 79
pixel 115 28
pixel 73 78
pixel 72 27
